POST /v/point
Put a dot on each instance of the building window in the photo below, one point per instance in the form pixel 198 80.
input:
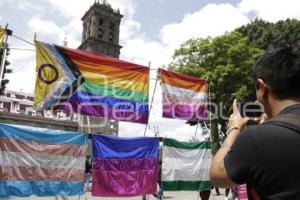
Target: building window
pixel 101 22
pixel 100 33
pixel 111 34
pixel 101 28
pixel 111 26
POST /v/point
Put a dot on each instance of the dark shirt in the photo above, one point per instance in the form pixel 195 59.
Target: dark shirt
pixel 267 158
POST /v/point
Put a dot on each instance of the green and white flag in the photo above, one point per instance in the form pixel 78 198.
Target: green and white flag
pixel 185 166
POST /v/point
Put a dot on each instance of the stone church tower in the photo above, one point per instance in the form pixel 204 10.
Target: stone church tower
pixel 101 29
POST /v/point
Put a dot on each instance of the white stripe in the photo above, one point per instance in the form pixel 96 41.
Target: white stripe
pixel 193 154
pixel 183 93
pixel 185 164
pixel 30 160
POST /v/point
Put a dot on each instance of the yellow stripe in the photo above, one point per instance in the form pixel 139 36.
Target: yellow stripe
pixel 115 82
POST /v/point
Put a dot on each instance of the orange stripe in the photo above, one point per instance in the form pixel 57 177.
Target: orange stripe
pixel 175 75
pixel 41 148
pixel 181 83
pixel 20 173
pixel 88 57
pixel 114 71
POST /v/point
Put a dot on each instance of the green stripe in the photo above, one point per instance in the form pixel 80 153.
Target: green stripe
pixel 186 185
pixel 100 89
pixel 186 145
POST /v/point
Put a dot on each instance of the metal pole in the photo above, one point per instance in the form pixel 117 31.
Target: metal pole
pixel 88 123
pixel 209 103
pixel 152 100
pixel 196 130
pixel 3 56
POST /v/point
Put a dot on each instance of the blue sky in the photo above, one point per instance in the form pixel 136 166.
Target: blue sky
pixel 150 32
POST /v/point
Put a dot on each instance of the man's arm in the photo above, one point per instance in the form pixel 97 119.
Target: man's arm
pixel 218 174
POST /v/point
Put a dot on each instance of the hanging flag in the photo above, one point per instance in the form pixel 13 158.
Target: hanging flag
pixel 41 162
pixel 124 167
pixel 185 166
pixel 91 84
pixel 184 97
pixel 2 36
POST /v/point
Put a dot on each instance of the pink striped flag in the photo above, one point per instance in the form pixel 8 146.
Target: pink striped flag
pixel 184 97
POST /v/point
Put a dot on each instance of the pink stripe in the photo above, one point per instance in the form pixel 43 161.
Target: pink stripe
pixel 124 184
pixel 186 112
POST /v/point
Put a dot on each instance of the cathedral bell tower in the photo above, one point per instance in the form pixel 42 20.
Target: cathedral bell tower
pixel 101 29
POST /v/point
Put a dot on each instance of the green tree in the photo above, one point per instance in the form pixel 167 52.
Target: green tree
pixel 262 34
pixel 6 71
pixel 226 62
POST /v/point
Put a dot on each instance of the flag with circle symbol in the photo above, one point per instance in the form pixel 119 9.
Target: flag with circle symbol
pixel 54 79
pixel 91 84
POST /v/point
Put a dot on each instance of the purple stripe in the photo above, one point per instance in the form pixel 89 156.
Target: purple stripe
pixel 124 184
pixel 186 112
pixel 100 111
pixel 126 164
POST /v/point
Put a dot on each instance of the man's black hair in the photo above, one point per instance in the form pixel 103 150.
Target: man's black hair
pixel 279 67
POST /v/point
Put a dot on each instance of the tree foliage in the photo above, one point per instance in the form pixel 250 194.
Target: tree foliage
pixel 262 34
pixel 6 71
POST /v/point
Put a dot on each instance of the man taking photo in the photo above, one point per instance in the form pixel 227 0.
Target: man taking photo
pixel 266 157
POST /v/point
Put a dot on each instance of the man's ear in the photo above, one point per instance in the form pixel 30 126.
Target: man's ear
pixel 261 90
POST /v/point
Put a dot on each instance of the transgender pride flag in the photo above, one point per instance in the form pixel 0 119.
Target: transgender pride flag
pixel 184 97
pixel 41 162
pixel 124 167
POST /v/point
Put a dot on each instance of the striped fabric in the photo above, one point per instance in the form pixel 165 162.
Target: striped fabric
pixel 124 167
pixel 41 162
pixel 185 166
pixel 184 97
pixel 92 84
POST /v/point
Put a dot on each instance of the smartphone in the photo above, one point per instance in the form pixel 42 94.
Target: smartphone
pixel 250 109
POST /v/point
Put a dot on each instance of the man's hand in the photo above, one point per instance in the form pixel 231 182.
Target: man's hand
pixel 236 120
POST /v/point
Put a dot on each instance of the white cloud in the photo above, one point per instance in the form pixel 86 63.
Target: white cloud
pixel 212 20
pixel 271 10
pixel 45 27
pixel 23 76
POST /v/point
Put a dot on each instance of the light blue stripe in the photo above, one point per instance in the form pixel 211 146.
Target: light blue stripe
pixel 40 188
pixel 42 135
pixel 112 147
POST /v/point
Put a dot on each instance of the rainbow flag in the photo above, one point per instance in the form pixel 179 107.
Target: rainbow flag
pixel 184 97
pixel 124 167
pixel 41 162
pixel 91 84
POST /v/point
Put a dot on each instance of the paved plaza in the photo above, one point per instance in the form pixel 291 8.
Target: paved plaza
pixel 167 195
